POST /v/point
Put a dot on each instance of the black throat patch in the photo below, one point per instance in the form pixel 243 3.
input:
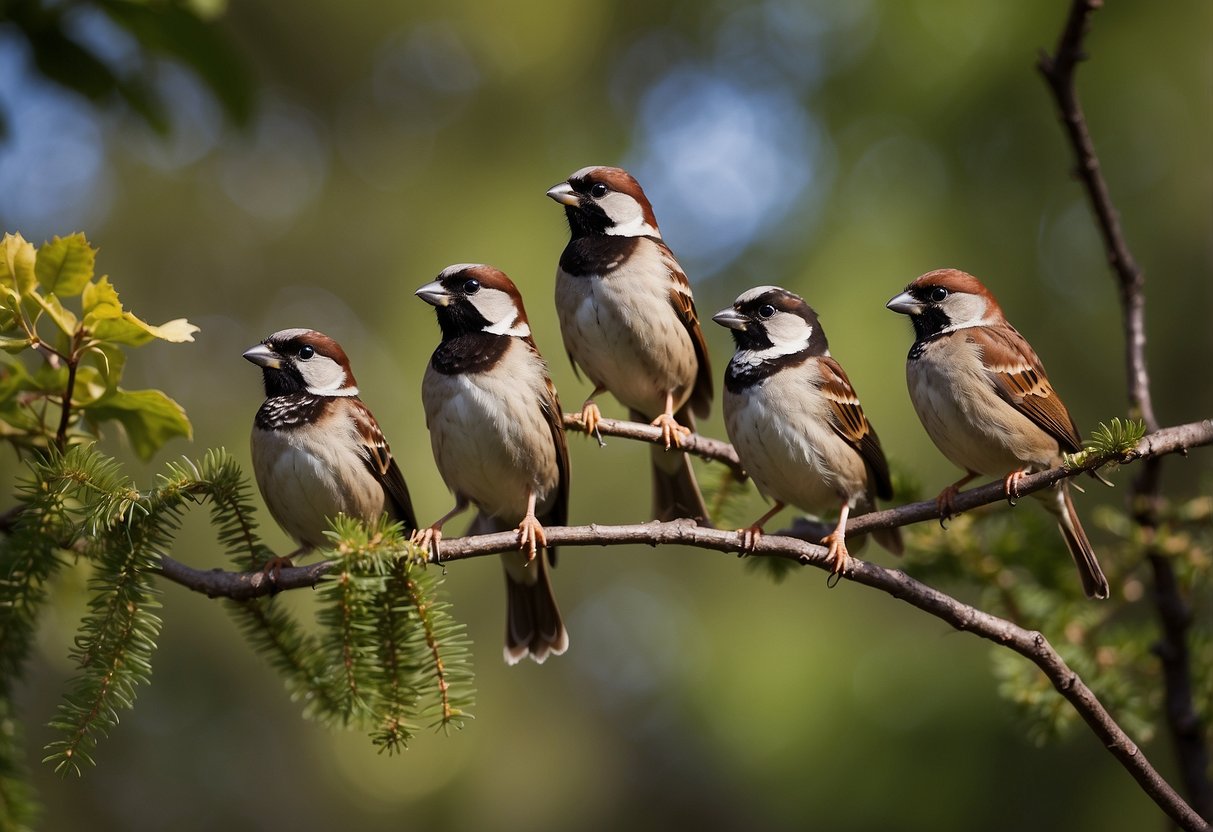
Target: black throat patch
pixel 597 255
pixel 472 352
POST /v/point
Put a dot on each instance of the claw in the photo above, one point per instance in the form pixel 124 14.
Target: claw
pixel 274 566
pixel 531 535
pixel 590 417
pixel 749 538
pixel 944 502
pixel 837 551
pixel 428 538
pixel 1011 485
pixel 671 432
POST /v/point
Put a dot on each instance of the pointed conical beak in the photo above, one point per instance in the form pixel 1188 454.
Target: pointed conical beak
pixel 263 356
pixel 905 303
pixel 731 318
pixel 564 194
pixel 433 294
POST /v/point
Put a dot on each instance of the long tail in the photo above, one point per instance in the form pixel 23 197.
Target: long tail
pixel 675 492
pixel 533 626
pixel 1094 584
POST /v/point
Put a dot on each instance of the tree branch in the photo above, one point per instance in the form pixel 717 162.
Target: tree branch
pixel 1031 645
pixel 695 444
pixel 1144 493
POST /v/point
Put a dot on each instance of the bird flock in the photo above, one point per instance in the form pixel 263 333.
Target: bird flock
pixel 629 325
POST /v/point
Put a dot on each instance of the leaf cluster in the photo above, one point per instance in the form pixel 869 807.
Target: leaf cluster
pixel 63 333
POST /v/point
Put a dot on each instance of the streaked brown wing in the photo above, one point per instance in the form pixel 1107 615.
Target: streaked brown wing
pixel 684 304
pixel 383 467
pixel 1020 380
pixel 851 424
pixel 552 414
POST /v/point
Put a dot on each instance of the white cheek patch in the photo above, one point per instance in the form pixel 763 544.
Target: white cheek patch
pixel 963 311
pixel 324 377
pixel 627 216
pixel 499 310
pixel 788 333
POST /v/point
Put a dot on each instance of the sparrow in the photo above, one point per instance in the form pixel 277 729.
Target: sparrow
pixel 317 449
pixel 629 323
pixel 795 420
pixel 498 438
pixel 983 396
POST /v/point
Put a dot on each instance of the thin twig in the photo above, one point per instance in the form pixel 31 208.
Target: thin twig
pixel 66 413
pixel 1174 614
pixel 695 444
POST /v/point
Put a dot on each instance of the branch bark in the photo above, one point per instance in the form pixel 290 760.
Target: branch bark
pixel 1174 614
pixel 1032 645
pixel 695 444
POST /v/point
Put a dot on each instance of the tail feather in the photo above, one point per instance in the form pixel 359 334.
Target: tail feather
pixel 675 491
pixel 1094 584
pixel 533 626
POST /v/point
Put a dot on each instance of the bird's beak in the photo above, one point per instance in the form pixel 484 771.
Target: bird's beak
pixel 905 303
pixel 263 356
pixel 434 294
pixel 731 318
pixel 563 193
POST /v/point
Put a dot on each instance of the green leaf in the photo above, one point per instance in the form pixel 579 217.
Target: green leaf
pixel 109 360
pixel 99 301
pixel 133 331
pixel 65 265
pixel 63 317
pixel 13 344
pixel 149 416
pixel 17 258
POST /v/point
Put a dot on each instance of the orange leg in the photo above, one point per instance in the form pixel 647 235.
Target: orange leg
pixel 943 502
pixel 430 537
pixel 671 431
pixel 530 531
pixel 752 533
pixel 837 542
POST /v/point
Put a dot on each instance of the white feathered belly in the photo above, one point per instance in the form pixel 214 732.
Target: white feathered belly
pixel 626 336
pixel 968 421
pixel 788 449
pixel 491 441
pixel 300 485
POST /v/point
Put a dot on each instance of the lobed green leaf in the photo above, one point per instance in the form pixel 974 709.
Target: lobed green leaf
pixel 65 264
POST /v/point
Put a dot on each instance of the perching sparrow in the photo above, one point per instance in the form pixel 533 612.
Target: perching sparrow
pixel 496 430
pixel 795 420
pixel 984 398
pixel 317 450
pixel 628 321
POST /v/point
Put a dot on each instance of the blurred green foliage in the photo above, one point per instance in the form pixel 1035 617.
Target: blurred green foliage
pixel 836 149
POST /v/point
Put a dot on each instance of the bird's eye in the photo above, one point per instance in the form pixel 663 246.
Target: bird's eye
pixel 306 351
pixel 471 287
pixel 766 310
pixel 598 191
pixel 938 293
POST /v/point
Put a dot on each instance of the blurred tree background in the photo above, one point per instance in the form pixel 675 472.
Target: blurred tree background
pixel 311 164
